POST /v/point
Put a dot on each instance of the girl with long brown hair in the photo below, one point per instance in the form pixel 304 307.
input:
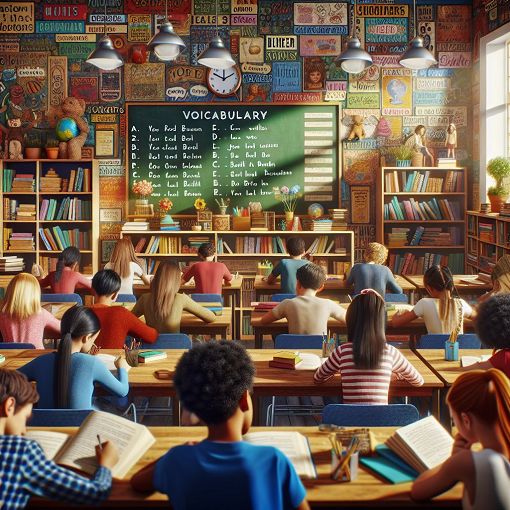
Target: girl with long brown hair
pixel 479 402
pixel 163 306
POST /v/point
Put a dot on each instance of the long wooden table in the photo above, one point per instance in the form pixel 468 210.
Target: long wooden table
pixel 367 491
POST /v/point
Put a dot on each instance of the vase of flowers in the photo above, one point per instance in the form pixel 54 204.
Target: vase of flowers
pixel 143 189
pixel 165 206
pixel 223 204
pixel 288 197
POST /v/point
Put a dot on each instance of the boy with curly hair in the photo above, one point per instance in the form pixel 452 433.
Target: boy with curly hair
pixel 213 381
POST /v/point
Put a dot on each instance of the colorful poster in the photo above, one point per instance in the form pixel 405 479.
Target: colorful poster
pixel 386 30
pixel 139 28
pixel 57 80
pixel 397 94
pixel 85 87
pixel 320 18
pixel 314 74
pixel 17 18
pixel 360 204
pixel 144 82
pixel 251 49
pixel 360 166
pixel 320 45
pixel 286 77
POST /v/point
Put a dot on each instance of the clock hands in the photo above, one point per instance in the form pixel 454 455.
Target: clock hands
pixel 226 77
pixel 214 74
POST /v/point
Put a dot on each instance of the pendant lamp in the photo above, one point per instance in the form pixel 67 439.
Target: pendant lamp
pixel 417 56
pixel 166 44
pixel 354 59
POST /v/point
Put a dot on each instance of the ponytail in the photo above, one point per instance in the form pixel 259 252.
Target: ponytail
pixel 76 322
pixel 486 395
pixel 67 258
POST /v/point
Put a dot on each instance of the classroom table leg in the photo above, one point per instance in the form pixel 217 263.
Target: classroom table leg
pixel 256 409
pixel 258 339
pixel 436 402
pixel 235 325
pixel 176 411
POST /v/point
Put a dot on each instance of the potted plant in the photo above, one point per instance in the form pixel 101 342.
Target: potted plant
pixel 52 148
pixel 33 146
pixel 403 154
pixel 499 169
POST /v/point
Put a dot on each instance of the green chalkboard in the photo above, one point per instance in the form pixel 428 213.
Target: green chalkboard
pixel 236 150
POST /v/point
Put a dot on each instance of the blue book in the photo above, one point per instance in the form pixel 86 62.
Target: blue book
pixel 387 469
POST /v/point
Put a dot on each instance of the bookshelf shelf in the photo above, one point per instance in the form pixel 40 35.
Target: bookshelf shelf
pixel 58 251
pixel 419 206
pixel 65 193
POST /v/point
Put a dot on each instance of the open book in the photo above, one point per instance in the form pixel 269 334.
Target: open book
pixel 78 451
pixel 293 444
pixel 466 361
pixel 423 445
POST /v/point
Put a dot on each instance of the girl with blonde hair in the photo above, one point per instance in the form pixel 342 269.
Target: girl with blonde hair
pixel 21 317
pixel 127 265
pixel 479 403
pixel 163 306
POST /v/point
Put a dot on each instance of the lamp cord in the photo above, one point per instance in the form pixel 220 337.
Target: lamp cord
pixel 414 16
pixel 104 21
pixel 216 17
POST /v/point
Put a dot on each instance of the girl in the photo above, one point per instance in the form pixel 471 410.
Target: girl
pixel 163 306
pixel 417 141
pixel 65 279
pixel 366 362
pixel 65 380
pixel 480 406
pixel 451 140
pixel 21 317
pixel 127 265
pixel 442 313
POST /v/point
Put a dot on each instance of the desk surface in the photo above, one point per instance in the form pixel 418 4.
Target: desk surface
pixel 322 492
pixel 465 287
pixel 447 371
pixel 234 285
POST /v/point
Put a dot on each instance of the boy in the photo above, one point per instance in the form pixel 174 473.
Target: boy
pixel 116 321
pixel 209 275
pixel 307 314
pixel 287 268
pixel 373 274
pixel 24 468
pixel 213 381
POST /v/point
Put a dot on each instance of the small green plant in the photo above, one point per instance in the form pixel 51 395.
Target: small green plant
pixel 402 152
pixel 52 143
pixel 33 140
pixel 499 169
pixel 497 192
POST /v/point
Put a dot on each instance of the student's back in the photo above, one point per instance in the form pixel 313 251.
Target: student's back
pixel 228 476
pixel 208 276
pixel 373 276
pixel 287 269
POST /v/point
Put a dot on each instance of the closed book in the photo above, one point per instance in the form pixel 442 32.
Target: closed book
pixel 279 364
pixel 150 356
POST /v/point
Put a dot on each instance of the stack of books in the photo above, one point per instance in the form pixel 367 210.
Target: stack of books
pixel 505 210
pixel 172 226
pixel 194 243
pixel 151 356
pixel 486 232
pixel 12 264
pixel 21 241
pixel 446 162
pixel 51 182
pixel 23 183
pixel 339 217
pixel 398 237
pixel 322 225
pixel 263 306
pixel 485 208
pixel 25 212
pixel 285 359
pixel 135 225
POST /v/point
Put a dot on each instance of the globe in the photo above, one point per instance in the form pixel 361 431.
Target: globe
pixel 315 210
pixel 66 129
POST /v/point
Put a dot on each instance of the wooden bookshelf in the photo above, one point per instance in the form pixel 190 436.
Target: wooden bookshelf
pixel 421 217
pixel 87 225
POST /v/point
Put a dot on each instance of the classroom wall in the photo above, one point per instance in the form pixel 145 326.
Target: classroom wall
pixel 278 44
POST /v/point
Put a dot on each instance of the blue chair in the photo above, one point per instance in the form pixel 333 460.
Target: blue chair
pixel 466 341
pixel 207 298
pixel 61 298
pixel 281 297
pixel 16 345
pixel 170 341
pixel 359 415
pixel 126 298
pixel 58 417
pixel 286 341
pixel 396 298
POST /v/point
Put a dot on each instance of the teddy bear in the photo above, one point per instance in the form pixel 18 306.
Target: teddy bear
pixel 357 131
pixel 74 108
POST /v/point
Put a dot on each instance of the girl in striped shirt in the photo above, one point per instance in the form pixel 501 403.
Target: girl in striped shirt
pixel 366 362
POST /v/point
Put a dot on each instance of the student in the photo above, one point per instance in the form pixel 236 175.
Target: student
pixel 479 403
pixel 21 317
pixel 209 275
pixel 366 362
pixel 287 268
pixel 163 306
pixel 213 381
pixel 493 329
pixel 65 279
pixel 373 274
pixel 127 265
pixel 24 469
pixel 66 379
pixel 307 314
pixel 442 313
pixel 500 277
pixel 116 322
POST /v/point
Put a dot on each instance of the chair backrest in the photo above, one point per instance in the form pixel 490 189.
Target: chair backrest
pixel 281 297
pixel 61 298
pixel 58 417
pixel 466 341
pixel 396 298
pixel 170 341
pixel 126 298
pixel 285 341
pixel 207 298
pixel 16 345
pixel 359 415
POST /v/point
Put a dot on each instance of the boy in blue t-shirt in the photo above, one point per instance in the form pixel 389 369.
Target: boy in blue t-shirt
pixel 287 268
pixel 213 381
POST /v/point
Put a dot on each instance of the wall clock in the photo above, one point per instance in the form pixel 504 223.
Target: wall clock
pixel 224 82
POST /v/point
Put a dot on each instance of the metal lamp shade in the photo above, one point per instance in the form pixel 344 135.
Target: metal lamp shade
pixel 166 44
pixel 354 59
pixel 216 55
pixel 417 56
pixel 105 56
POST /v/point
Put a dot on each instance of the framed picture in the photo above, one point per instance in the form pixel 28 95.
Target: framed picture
pixel 105 142
pixel 360 204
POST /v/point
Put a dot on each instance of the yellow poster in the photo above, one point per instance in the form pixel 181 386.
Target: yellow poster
pixel 397 92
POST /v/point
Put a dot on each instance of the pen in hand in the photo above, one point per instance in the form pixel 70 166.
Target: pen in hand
pixel 99 441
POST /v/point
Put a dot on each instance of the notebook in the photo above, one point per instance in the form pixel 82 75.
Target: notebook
pixel 386 469
pixel 466 361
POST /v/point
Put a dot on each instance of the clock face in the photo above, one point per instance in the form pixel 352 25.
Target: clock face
pixel 224 82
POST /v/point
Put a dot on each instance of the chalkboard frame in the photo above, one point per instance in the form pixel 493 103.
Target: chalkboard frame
pixel 337 198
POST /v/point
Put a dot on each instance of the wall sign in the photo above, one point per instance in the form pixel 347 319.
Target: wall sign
pixel 17 18
pixel 360 204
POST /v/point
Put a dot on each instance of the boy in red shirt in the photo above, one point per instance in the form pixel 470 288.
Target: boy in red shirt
pixel 208 275
pixel 117 322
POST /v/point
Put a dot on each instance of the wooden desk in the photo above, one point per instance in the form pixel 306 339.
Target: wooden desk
pixel 365 492
pixel 463 288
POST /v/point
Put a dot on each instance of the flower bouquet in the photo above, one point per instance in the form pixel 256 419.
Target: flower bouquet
pixel 143 189
pixel 288 197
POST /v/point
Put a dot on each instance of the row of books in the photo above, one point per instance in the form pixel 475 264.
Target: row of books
pixel 412 263
pixel 56 239
pixel 421 182
pixel 66 209
pixel 18 182
pixel 169 245
pixel 424 236
pixel 11 264
pixel 434 209
pixel 14 210
pixel 79 180
pixel 446 162
pixel 486 232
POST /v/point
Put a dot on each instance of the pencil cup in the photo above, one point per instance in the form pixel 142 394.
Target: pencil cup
pixel 132 357
pixel 241 223
pixel 349 474
pixel 451 351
